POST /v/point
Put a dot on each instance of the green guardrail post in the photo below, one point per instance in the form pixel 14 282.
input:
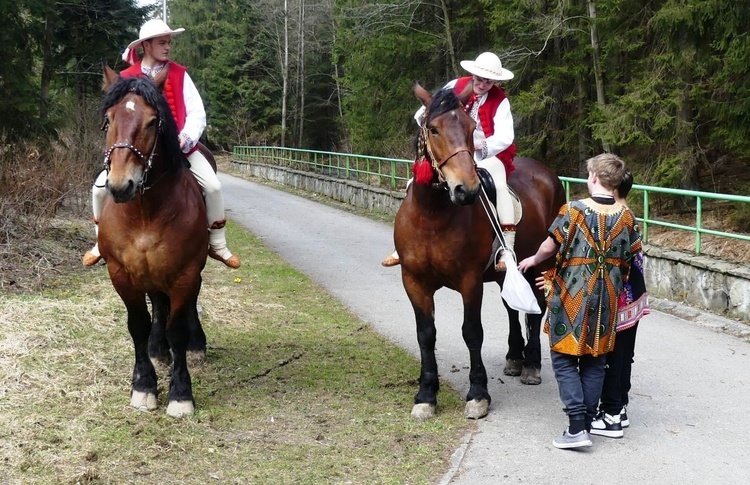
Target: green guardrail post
pixel 698 225
pixel 645 216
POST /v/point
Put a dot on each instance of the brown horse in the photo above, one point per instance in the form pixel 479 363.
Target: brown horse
pixel 445 239
pixel 153 235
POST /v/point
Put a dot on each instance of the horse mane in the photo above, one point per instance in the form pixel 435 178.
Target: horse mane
pixel 145 88
pixel 443 101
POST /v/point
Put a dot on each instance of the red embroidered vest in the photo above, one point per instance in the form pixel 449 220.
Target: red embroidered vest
pixel 486 113
pixel 173 89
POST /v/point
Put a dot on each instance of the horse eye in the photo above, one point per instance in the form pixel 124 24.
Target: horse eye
pixel 433 130
pixel 151 124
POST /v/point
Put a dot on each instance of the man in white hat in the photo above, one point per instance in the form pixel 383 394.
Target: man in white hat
pixel 155 38
pixel 493 138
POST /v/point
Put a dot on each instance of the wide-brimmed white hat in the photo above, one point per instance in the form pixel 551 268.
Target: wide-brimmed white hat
pixel 151 29
pixel 488 66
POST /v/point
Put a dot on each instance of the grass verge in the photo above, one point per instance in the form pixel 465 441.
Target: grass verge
pixel 295 388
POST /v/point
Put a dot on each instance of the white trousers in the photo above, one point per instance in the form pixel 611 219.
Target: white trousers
pixel 211 187
pixel 504 200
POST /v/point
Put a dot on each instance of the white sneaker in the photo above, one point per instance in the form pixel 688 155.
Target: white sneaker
pixel 624 421
pixel 607 425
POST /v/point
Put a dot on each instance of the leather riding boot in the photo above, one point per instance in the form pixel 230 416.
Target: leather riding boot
pixel 93 255
pixel 392 260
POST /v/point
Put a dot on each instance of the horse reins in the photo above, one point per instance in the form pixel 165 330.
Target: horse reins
pixel 148 162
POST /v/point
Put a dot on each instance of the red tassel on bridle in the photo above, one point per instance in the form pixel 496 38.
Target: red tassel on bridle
pixel 423 171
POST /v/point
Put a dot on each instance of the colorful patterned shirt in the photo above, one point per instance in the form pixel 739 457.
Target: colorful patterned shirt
pixel 597 243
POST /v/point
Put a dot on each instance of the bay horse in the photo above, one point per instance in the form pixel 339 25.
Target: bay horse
pixel 153 235
pixel 444 239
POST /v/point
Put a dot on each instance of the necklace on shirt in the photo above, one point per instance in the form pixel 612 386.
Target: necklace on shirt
pixel 152 71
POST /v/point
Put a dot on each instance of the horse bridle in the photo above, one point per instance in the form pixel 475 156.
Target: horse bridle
pixel 438 165
pixel 148 162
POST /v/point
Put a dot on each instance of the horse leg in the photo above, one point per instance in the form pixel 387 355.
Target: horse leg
pixel 532 363
pixel 514 357
pixel 196 346
pixel 158 348
pixel 180 397
pixel 144 384
pixel 423 304
pixel 478 398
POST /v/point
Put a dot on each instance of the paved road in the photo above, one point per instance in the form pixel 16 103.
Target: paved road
pixel 690 403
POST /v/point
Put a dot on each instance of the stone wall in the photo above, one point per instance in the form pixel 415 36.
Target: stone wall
pixel 719 287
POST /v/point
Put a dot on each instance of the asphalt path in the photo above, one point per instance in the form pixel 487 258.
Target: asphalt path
pixel 690 403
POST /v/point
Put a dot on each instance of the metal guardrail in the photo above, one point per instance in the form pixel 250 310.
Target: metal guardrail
pixel 394 173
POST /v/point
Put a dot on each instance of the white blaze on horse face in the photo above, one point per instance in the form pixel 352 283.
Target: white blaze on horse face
pixel 130 105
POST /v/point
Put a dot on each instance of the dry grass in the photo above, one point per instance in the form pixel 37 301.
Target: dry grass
pixel 295 389
pixel 720 247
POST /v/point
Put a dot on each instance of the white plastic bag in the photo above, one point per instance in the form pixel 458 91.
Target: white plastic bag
pixel 517 293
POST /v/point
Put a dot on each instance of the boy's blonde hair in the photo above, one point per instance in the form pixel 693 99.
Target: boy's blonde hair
pixel 609 168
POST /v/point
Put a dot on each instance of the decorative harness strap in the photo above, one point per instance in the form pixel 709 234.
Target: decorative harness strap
pixel 424 146
pixel 148 162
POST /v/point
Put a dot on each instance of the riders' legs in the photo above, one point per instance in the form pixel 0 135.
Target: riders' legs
pixel 394 258
pixel 98 195
pixel 211 187
pixel 504 200
pixel 505 213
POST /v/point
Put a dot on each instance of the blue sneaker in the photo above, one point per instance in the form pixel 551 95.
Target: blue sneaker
pixel 568 441
pixel 624 421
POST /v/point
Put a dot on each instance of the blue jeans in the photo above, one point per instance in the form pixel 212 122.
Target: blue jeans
pixel 579 380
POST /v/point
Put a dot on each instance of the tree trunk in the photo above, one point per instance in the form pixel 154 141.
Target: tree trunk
pixel 449 38
pixel 596 54
pixel 285 74
pixel 46 76
pixel 301 73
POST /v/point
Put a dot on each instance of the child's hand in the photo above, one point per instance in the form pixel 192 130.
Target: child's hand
pixel 539 282
pixel 526 264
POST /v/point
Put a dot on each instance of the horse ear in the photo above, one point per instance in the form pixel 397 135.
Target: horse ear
pixel 422 94
pixel 466 92
pixel 161 78
pixel 110 76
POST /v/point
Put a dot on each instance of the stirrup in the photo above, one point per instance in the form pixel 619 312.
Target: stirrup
pixel 500 265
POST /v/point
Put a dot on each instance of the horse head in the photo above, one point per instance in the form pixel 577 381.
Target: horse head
pixel 140 133
pixel 447 140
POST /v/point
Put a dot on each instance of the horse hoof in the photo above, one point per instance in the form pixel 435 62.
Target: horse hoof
pixel 143 401
pixel 531 376
pixel 423 411
pixel 196 357
pixel 476 409
pixel 180 409
pixel 513 367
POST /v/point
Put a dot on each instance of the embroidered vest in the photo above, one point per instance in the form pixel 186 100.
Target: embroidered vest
pixel 486 113
pixel 173 89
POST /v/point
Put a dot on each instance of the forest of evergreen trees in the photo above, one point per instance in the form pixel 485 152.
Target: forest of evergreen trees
pixel 663 83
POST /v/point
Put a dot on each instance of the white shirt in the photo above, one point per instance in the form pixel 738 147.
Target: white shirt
pixel 502 138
